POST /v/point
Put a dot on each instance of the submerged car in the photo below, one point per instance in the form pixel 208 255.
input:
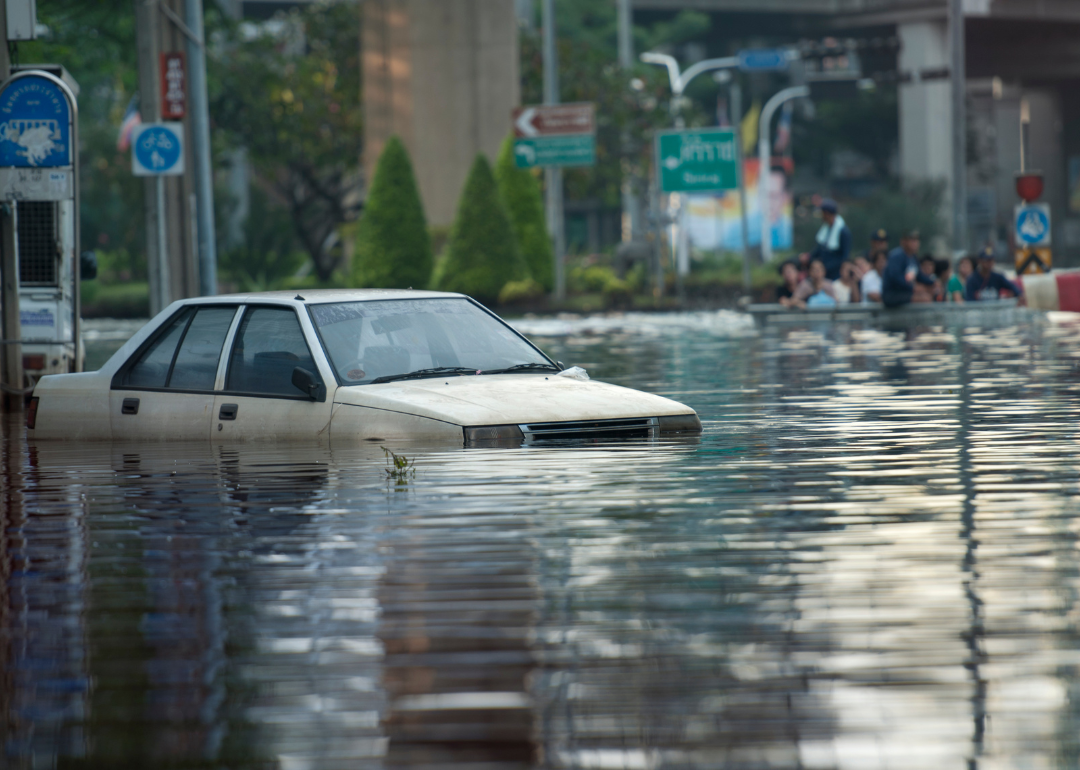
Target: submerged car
pixel 340 366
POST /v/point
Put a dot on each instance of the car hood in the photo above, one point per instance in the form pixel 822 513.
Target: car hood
pixel 509 399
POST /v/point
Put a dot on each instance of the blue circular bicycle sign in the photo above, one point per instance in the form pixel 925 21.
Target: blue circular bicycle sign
pixel 1033 224
pixel 158 149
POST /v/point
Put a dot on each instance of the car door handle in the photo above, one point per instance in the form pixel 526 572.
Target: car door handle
pixel 130 406
pixel 228 411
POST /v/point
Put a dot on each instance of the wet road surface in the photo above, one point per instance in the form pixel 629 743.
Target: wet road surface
pixel 868 560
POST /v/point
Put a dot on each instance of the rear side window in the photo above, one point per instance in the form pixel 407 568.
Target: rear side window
pixel 185 356
pixel 197 361
pixel 269 345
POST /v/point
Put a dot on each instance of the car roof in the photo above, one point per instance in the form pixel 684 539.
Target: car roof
pixel 319 296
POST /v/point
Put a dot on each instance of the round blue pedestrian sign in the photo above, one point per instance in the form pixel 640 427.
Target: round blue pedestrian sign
pixel 1032 225
pixel 158 149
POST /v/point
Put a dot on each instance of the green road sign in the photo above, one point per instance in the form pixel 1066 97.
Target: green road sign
pixel 564 150
pixel 697 161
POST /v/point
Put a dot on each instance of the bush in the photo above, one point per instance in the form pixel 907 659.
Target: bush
pixel 393 248
pixel 481 254
pixel 520 192
pixel 588 279
pixel 517 292
pixel 124 300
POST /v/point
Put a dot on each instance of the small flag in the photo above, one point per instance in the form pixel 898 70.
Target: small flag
pixel 783 129
pixel 127 125
pixel 750 129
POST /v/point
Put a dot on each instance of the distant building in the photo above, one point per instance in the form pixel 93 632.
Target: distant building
pixel 443 75
pixel 1022 59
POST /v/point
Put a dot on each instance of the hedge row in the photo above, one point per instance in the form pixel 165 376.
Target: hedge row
pixel 498 236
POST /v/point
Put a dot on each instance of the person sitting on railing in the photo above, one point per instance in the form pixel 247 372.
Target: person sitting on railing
pixel 870 285
pixel 815 291
pixel 902 272
pixel 847 288
pixel 964 269
pixel 789 273
pixel 985 283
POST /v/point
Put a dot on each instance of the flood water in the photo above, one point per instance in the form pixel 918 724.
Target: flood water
pixel 868 560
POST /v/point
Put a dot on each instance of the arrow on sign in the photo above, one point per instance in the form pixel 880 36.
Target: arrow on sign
pixel 524 122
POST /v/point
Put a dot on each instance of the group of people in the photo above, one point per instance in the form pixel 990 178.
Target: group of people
pixel 827 276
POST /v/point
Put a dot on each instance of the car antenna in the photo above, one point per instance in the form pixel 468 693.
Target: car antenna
pixel 299 298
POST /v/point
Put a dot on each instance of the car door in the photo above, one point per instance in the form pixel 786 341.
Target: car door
pixel 165 392
pixel 259 401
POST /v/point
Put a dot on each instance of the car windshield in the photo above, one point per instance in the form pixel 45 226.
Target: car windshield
pixel 366 341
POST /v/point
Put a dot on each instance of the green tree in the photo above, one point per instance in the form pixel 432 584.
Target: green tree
pixel 520 193
pixel 393 249
pixel 481 254
pixel 96 43
pixel 290 94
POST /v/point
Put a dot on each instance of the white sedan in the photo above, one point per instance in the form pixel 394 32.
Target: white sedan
pixel 340 366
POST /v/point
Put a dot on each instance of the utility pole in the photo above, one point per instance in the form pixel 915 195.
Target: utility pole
pixel 735 106
pixel 631 212
pixel 11 367
pixel 553 177
pixel 958 80
pixel 200 134
pixel 169 204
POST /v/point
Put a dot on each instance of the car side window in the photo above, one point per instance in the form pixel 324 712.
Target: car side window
pixel 269 345
pixel 196 364
pixel 185 356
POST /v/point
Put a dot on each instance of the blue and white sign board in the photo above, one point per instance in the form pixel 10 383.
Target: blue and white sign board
pixel 763 59
pixel 37 114
pixel 1032 224
pixel 157 149
pixel 35 123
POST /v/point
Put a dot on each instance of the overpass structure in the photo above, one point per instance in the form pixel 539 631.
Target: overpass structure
pixel 1022 60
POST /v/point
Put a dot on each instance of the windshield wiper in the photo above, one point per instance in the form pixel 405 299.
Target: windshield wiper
pixel 419 373
pixel 522 368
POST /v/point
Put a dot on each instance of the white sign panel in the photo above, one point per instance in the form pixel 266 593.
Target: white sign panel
pixel 157 149
pixel 1033 224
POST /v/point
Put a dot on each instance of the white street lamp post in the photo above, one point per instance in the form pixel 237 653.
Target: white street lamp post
pixel 764 153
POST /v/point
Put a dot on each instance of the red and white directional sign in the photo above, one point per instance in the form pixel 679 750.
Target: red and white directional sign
pixel 554 120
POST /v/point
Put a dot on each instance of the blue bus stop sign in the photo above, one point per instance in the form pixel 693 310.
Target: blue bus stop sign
pixel 35 124
pixel 158 149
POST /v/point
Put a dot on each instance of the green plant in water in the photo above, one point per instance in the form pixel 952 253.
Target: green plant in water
pixel 399 467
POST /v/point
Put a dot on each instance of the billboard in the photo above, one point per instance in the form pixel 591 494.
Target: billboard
pixel 714 220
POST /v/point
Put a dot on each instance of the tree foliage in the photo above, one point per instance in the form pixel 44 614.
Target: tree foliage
pixel 630 105
pixel 393 249
pixel 520 193
pixel 290 94
pixel 481 254
pixel 96 43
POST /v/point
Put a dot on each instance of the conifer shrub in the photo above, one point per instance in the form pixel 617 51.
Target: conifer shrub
pixel 520 192
pixel 393 248
pixel 481 253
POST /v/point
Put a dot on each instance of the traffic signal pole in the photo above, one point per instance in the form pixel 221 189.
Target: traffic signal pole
pixel 553 176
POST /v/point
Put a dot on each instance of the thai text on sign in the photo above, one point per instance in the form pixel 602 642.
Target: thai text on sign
pixel 173 86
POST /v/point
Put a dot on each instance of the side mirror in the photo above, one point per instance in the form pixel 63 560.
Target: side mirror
pixel 306 382
pixel 88 266
pixel 560 364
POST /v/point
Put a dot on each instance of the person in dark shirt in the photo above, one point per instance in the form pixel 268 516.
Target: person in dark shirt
pixel 789 272
pixel 879 244
pixel 986 284
pixel 833 240
pixel 902 272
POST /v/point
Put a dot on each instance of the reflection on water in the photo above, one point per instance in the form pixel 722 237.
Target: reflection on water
pixel 869 560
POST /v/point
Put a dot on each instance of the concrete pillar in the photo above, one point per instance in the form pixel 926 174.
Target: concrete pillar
pixel 444 76
pixel 925 104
